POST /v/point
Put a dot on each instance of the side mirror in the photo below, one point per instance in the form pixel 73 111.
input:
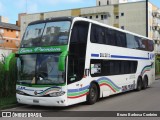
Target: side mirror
pixel 62 59
pixel 16 55
pixel 7 61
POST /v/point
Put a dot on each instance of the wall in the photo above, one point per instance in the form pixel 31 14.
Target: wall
pixel 11 39
pixel 4 53
pixel 134 18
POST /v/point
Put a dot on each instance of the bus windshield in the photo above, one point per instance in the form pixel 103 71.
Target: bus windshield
pixel 46 34
pixel 39 69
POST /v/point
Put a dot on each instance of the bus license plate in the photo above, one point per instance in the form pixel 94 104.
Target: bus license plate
pixel 35 101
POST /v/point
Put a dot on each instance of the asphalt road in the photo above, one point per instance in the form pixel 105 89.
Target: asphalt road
pixel 144 100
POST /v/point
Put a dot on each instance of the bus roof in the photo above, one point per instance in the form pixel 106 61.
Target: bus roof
pixel 108 26
pixel 84 19
pixel 51 20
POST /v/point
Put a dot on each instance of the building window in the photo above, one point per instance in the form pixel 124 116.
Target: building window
pixel 1 31
pixel 96 16
pixel 122 27
pixel 105 16
pixel 101 17
pixel 107 2
pixel 17 34
pixel 150 28
pixel 90 17
pixel 122 14
pixel 99 3
pixel 117 17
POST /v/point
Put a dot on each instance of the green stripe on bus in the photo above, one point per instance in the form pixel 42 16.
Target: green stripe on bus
pixel 78 93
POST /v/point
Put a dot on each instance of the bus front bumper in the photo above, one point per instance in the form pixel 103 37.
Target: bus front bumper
pixel 42 101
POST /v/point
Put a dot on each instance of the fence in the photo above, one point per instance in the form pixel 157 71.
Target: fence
pixel 8 84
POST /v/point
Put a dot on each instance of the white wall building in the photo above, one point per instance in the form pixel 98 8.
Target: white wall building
pixel 138 17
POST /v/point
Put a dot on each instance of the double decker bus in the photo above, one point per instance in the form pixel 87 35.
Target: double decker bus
pixel 69 60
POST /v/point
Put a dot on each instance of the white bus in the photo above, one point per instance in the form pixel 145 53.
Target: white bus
pixel 65 61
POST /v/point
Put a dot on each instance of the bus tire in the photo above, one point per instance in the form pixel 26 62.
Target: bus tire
pixel 139 84
pixel 145 82
pixel 93 94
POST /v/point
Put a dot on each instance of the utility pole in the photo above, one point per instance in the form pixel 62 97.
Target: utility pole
pixel 147 18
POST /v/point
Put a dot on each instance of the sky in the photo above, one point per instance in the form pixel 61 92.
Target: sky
pixel 11 8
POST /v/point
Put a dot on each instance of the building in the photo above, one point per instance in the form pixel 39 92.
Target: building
pixel 4 19
pixel 141 17
pixel 9 36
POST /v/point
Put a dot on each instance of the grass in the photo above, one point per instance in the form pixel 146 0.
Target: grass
pixel 7 102
pixel 8 85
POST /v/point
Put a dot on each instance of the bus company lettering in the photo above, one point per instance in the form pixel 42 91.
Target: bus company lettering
pixel 40 49
pixel 26 51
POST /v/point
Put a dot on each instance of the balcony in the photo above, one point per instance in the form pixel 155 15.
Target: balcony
pixel 156 13
pixel 156 26
pixel 156 39
pixel 116 10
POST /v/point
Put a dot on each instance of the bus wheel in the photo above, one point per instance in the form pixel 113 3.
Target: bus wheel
pixel 93 94
pixel 145 82
pixel 139 84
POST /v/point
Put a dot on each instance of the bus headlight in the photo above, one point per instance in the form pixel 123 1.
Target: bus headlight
pixel 56 94
pixel 20 92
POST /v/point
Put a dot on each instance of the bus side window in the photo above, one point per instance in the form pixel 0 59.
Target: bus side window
pixel 122 67
pixel 127 66
pixel 108 36
pixel 101 35
pixel 130 41
pixel 112 67
pixel 72 69
pixel 117 67
pixel 133 67
pixel 97 34
pixel 144 44
pixel 150 45
pixel 137 43
pixel 93 34
pixel 120 39
pixel 77 51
